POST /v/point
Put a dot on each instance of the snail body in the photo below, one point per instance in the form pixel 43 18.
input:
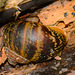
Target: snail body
pixel 27 42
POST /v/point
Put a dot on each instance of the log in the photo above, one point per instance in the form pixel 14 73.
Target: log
pixel 8 15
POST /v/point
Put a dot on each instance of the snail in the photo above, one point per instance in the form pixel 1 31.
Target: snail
pixel 26 42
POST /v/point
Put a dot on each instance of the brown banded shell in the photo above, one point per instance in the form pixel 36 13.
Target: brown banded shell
pixel 32 42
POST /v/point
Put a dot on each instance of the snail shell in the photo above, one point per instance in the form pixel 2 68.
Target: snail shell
pixel 32 42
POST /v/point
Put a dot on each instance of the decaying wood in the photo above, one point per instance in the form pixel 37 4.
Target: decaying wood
pixel 6 16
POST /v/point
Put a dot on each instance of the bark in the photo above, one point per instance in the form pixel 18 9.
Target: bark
pixel 8 15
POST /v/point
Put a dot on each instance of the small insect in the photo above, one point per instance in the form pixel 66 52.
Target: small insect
pixel 26 42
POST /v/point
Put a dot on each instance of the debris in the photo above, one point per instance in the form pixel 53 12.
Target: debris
pixel 53 67
pixel 52 13
pixel 63 70
pixel 4 57
pixel 58 58
pixel 72 72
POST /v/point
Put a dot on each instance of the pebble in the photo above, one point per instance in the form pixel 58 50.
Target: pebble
pixel 63 70
pixel 53 67
pixel 57 64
